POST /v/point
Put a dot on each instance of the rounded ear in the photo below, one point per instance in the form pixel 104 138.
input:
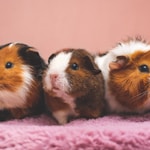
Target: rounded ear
pixel 32 58
pixel 51 57
pixel 120 62
pixel 91 66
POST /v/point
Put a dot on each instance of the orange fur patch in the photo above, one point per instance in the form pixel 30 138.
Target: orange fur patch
pixel 130 86
pixel 10 78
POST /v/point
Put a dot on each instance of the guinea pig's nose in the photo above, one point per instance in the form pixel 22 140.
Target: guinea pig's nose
pixel 53 76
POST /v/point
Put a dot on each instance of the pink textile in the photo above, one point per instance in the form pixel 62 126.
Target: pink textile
pixel 109 132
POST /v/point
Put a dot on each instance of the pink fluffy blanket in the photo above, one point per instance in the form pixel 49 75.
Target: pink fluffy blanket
pixel 109 132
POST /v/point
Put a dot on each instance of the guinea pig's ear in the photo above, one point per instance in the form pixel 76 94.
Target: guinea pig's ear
pixel 51 57
pixel 120 62
pixel 32 58
pixel 90 65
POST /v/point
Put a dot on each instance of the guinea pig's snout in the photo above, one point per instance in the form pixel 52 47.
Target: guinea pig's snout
pixel 53 77
pixel 54 80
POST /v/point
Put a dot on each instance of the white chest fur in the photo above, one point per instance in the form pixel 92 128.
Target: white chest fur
pixel 62 115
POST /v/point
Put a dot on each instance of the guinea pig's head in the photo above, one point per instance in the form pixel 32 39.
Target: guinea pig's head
pixel 130 79
pixel 71 70
pixel 20 66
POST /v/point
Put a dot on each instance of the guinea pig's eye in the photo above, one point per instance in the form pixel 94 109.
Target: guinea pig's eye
pixel 9 65
pixel 74 66
pixel 144 68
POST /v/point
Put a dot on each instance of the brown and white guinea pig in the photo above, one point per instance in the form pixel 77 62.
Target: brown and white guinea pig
pixel 126 71
pixel 73 85
pixel 21 92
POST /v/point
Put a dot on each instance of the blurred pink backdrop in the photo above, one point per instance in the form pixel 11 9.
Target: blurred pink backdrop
pixel 50 25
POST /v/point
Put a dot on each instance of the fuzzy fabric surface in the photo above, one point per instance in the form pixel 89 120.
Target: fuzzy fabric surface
pixel 106 133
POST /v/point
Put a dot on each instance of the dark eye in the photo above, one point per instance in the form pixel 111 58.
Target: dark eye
pixel 74 66
pixel 144 68
pixel 9 65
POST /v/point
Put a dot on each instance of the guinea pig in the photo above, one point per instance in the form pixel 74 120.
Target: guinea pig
pixel 21 91
pixel 73 86
pixel 126 71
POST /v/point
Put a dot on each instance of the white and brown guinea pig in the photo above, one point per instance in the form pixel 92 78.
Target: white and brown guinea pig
pixel 126 71
pixel 73 85
pixel 21 92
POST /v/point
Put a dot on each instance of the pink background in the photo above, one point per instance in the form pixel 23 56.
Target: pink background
pixel 50 25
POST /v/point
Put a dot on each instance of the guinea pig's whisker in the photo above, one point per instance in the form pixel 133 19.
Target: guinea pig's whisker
pixel 138 96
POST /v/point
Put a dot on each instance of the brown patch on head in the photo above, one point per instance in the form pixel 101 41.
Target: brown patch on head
pixel 11 77
pixel 82 71
pixel 130 81
pixel 141 57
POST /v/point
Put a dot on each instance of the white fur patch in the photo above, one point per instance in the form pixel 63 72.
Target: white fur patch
pixel 28 79
pixel 11 45
pixel 10 99
pixel 104 61
pixel 62 115
pixel 103 64
pixel 130 47
pixel 58 65
pixel 121 49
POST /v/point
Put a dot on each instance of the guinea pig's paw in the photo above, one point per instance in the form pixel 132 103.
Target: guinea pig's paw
pixel 61 116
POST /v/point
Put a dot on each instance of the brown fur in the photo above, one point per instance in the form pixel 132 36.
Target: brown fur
pixel 87 86
pixel 128 84
pixel 12 80
pixel 55 103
